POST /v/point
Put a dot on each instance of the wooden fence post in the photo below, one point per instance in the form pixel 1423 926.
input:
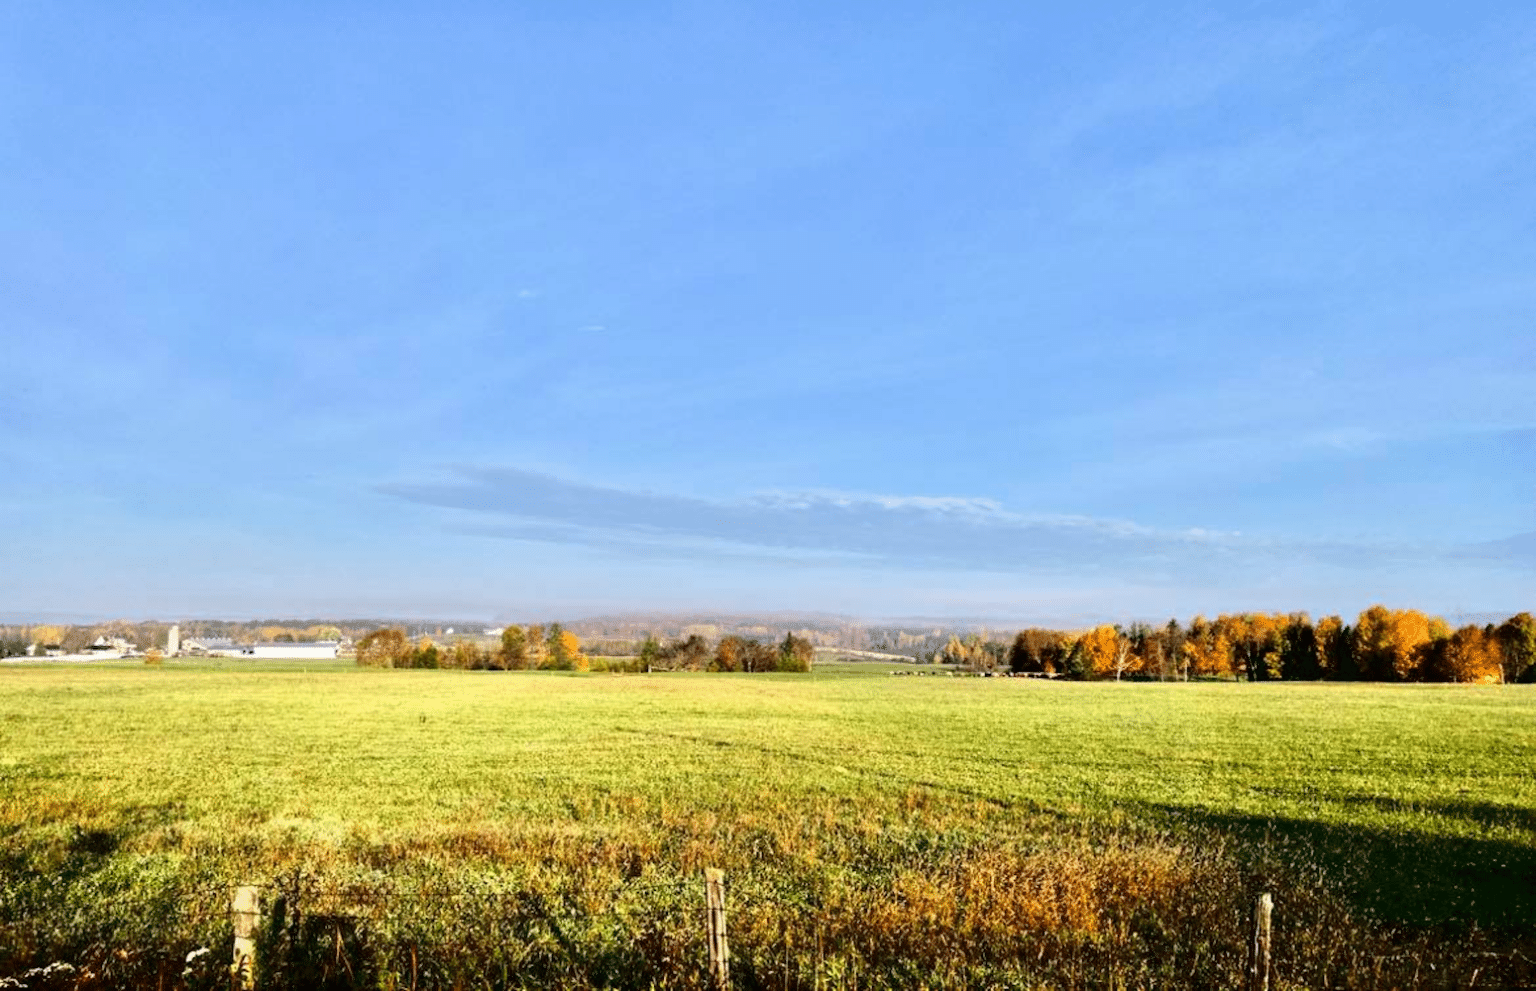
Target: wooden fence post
pixel 719 953
pixel 1258 951
pixel 245 913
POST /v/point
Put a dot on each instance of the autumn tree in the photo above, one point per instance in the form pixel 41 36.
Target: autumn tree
pixel 759 657
pixel 1208 650
pixel 1516 638
pixel 1298 649
pixel 954 652
pixel 1192 650
pixel 1127 659
pixel 465 655
pixel 1390 644
pixel 1335 655
pixel 1144 651
pixel 570 647
pixel 1036 650
pixel 48 636
pixel 1253 643
pixel 1074 662
pixel 690 654
pixel 534 638
pixel 426 654
pixel 1468 656
pixel 729 654
pixel 795 653
pixel 385 648
pixel 1172 637
pixel 512 655
pixel 562 650
pixel 1101 648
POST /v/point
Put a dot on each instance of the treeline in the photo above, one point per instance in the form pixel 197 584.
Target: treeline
pixel 72 639
pixel 731 653
pixel 557 649
pixel 18 640
pixel 1382 645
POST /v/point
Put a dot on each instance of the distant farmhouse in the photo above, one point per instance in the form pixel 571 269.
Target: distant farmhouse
pixel 103 648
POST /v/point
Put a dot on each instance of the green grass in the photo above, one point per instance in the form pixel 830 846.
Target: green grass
pixel 1002 832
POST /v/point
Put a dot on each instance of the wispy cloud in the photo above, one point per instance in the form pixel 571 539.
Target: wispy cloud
pixel 1187 73
pixel 899 530
pixel 1517 550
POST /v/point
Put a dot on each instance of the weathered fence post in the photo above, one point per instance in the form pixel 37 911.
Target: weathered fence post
pixel 1258 951
pixel 719 953
pixel 245 913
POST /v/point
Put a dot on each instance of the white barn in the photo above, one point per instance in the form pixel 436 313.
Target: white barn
pixel 309 651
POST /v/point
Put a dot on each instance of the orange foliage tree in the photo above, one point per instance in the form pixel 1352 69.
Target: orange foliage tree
pixel 1391 644
pixel 1104 652
pixel 1468 655
pixel 1208 650
pixel 563 651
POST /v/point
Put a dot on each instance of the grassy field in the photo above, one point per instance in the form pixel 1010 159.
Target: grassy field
pixel 484 829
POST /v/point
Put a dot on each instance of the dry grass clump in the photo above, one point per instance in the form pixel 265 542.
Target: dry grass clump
pixel 996 895
pixel 1030 916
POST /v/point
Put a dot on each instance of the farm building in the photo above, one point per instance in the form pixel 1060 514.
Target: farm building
pixel 202 646
pixel 315 650
pixel 312 651
pixel 107 649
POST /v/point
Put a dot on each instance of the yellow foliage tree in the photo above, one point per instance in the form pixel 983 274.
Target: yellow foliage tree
pixel 1329 633
pixel 383 649
pixel 465 656
pixel 563 651
pixel 1266 633
pixel 1102 654
pixel 1209 649
pixel 1391 643
pixel 534 638
pixel 571 647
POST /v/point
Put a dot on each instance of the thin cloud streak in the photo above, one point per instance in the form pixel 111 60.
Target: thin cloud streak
pixel 882 530
pixel 1517 550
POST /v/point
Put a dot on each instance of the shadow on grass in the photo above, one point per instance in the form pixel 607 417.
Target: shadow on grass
pixel 1402 878
pixel 1485 814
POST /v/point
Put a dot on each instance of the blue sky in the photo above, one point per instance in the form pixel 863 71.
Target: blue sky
pixel 526 311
